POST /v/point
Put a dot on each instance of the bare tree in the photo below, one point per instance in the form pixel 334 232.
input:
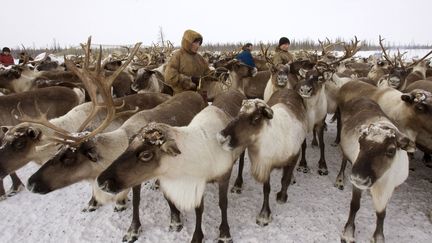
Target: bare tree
pixel 161 37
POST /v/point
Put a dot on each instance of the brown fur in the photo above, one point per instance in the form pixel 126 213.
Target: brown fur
pixel 254 86
pixel 59 100
pixel 230 102
pixel 292 100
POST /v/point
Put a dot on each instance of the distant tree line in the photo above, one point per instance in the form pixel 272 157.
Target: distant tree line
pixel 305 44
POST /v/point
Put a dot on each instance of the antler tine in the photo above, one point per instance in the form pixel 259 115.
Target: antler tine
pixel 421 59
pixel 384 52
pixel 265 53
pixel 350 51
pixel 99 61
pixel 40 119
pixel 111 78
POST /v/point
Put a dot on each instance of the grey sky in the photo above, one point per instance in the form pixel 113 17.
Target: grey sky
pixel 37 23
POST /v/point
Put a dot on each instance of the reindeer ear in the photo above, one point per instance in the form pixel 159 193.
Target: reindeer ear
pixel 405 143
pixel 267 112
pixel 170 147
pixel 33 133
pixel 92 155
pixel 5 128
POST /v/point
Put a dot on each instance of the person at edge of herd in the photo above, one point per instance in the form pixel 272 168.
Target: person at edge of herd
pixel 186 66
pixel 6 58
pixel 282 55
pixel 246 56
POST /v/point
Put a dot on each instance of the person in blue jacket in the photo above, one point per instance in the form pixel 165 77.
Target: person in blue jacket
pixel 245 56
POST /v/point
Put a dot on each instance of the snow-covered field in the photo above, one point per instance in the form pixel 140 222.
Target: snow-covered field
pixel 315 212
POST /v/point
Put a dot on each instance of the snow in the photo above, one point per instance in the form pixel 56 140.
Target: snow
pixel 315 212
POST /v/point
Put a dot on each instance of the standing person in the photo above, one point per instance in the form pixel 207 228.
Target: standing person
pixel 186 66
pixel 246 56
pixel 282 55
pixel 6 58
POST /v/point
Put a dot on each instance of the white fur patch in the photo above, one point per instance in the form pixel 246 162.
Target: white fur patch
pixel 378 132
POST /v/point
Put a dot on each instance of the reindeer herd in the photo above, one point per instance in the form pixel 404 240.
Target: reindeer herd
pixel 114 122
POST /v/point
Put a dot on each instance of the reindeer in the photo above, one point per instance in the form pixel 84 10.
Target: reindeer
pixel 65 99
pixel 312 89
pixel 378 152
pixel 29 141
pixel 284 120
pixel 410 111
pixel 94 81
pixel 150 81
pixel 183 160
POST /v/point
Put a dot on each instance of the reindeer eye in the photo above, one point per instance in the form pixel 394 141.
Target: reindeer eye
pixel 19 144
pixel 145 156
pixel 390 151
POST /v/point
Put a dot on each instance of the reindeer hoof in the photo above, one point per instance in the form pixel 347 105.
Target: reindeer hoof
pixel 303 169
pixel 236 189
pixel 225 240
pixel 90 208
pixel 131 236
pixel 281 198
pixel 3 197
pixel 175 227
pixel 263 220
pixel 13 191
pixel 322 172
pixel 339 184
pixel 120 207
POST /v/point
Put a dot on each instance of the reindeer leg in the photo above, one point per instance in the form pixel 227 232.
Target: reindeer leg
pixel 282 195
pixel 17 185
pixel 339 128
pixel 264 218
pixel 237 188
pixel 303 164
pixel 427 160
pixel 322 165
pixel 341 176
pixel 198 235
pixel 2 191
pixel 378 236
pixel 121 199
pixel 348 233
pixel 224 229
pixel 93 204
pixel 135 227
pixel 175 223
pixel 314 138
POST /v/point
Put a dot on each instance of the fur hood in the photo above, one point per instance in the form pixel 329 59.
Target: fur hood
pixel 188 38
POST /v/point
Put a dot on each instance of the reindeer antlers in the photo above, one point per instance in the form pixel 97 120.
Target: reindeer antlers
pixel 94 82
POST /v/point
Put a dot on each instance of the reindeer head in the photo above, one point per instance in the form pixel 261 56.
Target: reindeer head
pixel 17 144
pixel 381 145
pixel 142 80
pixel 69 165
pixel 280 75
pixel 420 102
pixel 243 130
pixel 142 159
pixel 311 84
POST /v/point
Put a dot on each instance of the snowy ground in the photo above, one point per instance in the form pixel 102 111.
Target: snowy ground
pixel 315 212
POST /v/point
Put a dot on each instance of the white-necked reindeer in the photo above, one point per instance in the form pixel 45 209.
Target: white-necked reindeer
pixel 378 152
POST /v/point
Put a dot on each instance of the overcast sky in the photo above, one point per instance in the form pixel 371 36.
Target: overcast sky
pixel 38 22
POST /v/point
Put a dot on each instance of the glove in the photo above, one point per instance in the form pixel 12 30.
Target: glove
pixel 189 85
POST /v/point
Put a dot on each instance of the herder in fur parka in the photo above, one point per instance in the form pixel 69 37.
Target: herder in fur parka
pixel 186 66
